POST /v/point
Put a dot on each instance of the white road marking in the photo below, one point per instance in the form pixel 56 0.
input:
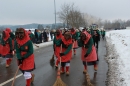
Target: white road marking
pixel 10 80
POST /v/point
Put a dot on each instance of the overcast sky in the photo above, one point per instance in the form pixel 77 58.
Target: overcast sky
pixel 14 12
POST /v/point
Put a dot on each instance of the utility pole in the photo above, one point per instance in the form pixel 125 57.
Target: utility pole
pixel 55 12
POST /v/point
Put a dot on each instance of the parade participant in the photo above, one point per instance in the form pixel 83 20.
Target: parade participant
pixel 74 38
pixel 88 52
pixel 6 50
pixel 66 53
pixel 56 45
pixel 31 35
pixel 12 36
pixel 25 56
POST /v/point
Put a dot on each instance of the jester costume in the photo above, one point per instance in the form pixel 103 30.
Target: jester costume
pixel 56 46
pixel 6 48
pixel 75 36
pixel 88 52
pixel 12 36
pixel 25 56
pixel 66 55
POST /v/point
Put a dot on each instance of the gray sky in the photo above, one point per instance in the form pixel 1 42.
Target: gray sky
pixel 14 12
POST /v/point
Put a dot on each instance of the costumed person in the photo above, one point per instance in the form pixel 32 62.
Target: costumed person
pixel 88 52
pixel 25 56
pixel 56 45
pixel 31 35
pixel 66 53
pixel 74 38
pixel 6 50
pixel 12 36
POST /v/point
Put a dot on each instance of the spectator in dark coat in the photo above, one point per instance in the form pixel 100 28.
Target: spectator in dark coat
pixel 96 37
pixel 51 34
pixel 36 36
pixel 45 36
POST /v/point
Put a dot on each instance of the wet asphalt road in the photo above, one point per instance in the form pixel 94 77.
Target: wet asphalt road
pixel 45 74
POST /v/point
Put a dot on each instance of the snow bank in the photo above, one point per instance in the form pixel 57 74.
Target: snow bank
pixel 118 52
pixel 44 44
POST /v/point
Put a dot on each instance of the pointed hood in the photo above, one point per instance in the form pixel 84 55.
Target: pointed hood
pixel 8 29
pixel 60 36
pixel 88 36
pixel 67 42
pixel 24 40
pixel 73 32
pixel 7 35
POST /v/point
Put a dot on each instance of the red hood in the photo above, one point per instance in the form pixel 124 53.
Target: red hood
pixel 60 36
pixel 73 32
pixel 25 39
pixel 7 35
pixel 67 42
pixel 8 29
pixel 88 36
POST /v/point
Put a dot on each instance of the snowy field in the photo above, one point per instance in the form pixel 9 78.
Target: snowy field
pixel 118 57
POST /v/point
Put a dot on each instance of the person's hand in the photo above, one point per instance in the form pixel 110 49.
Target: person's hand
pixel 10 51
pixel 85 55
pixel 62 54
pixel 20 62
pixel 22 58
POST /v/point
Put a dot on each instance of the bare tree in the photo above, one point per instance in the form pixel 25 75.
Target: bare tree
pixel 71 15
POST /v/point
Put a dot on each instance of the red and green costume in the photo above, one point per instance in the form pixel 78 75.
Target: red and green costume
pixel 75 36
pixel 56 46
pixel 88 52
pixel 67 51
pixel 24 51
pixel 31 35
pixel 12 36
pixel 6 48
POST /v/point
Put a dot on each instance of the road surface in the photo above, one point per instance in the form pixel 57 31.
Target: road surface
pixel 45 74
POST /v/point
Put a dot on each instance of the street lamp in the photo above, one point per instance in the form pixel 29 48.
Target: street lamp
pixel 55 12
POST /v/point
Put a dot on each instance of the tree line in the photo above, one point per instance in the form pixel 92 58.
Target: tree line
pixel 73 17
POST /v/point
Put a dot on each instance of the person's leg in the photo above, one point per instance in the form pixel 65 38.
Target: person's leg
pixel 74 50
pixel 95 67
pixel 85 67
pixel 62 67
pixel 67 67
pixel 57 62
pixel 7 62
pixel 28 78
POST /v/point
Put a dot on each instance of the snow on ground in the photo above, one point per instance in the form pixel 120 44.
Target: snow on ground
pixel 44 44
pixel 118 57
